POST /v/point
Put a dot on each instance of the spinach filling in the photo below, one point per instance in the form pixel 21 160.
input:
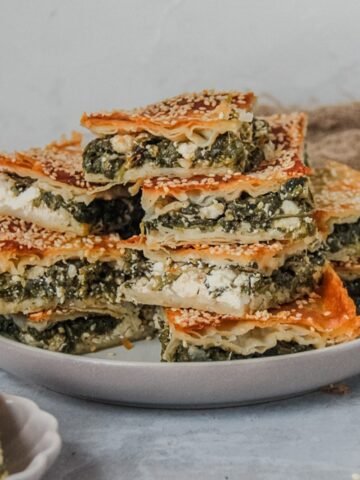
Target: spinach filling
pixel 122 215
pixel 20 184
pixel 66 334
pixel 257 212
pixel 353 288
pixel 71 280
pixel 240 152
pixel 213 354
pixel 192 353
pixel 299 274
pixel 99 157
pixel 344 235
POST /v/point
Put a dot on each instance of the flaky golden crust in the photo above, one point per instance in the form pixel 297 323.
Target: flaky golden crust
pixel 329 311
pixel 22 240
pixel 348 270
pixel 174 118
pixel 288 132
pixel 59 163
pixel 337 195
pixel 60 313
pixel 260 256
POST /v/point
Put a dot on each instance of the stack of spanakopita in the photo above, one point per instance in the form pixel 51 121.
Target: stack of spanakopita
pixel 190 216
pixel 60 267
pixel 231 249
pixel 337 199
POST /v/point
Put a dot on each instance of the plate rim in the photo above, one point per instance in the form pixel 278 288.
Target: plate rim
pixel 84 359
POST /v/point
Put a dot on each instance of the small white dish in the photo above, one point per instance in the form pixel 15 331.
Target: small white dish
pixel 29 438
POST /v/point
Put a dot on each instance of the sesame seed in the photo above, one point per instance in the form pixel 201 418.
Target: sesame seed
pixel 207 105
pixel 22 238
pixel 59 161
pixel 336 190
pixel 287 136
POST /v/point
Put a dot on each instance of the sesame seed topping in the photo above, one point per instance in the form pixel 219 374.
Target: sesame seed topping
pixel 59 161
pixel 336 190
pixel 261 252
pixel 23 238
pixel 207 105
pixel 313 311
pixel 288 132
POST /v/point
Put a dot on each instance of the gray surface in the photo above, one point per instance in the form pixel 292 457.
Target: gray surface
pixel 316 436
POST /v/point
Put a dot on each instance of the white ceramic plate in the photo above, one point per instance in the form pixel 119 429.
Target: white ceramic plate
pixel 29 438
pixel 137 377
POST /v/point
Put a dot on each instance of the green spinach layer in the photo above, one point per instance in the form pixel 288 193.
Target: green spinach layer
pixel 64 335
pixel 259 212
pixel 20 183
pixel 74 279
pixel 192 353
pixel 239 152
pixel 344 235
pixel 68 336
pixel 197 354
pixel 299 274
pixel 122 215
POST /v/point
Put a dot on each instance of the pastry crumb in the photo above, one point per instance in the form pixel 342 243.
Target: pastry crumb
pixel 338 389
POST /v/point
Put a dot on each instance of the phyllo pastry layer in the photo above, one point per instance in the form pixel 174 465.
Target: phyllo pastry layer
pixel 46 186
pixel 230 279
pixel 41 270
pixel 191 134
pixel 336 191
pixel 77 331
pixel 325 317
pixel 350 275
pixel 271 202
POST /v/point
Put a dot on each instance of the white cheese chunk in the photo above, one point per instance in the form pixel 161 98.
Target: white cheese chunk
pixel 122 143
pixel 35 272
pixel 245 116
pixel 72 271
pixel 288 224
pixel 234 300
pixel 158 268
pixel 289 207
pixel 212 211
pixel 18 202
pixel 186 150
pixel 220 278
pixel 186 285
pixel 21 206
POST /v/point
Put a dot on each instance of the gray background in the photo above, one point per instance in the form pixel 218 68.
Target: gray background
pixel 59 58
